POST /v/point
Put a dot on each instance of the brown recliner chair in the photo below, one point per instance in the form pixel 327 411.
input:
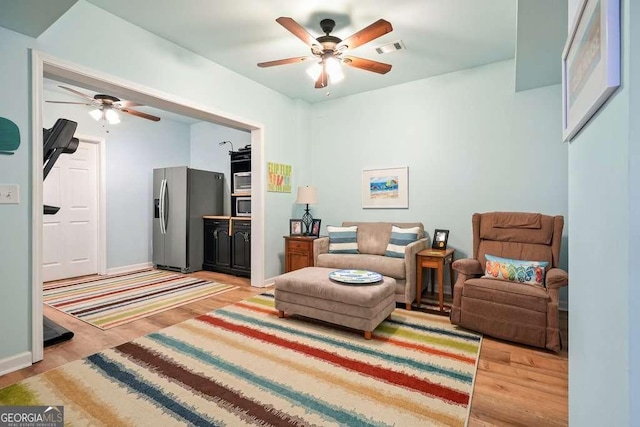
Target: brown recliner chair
pixel 518 312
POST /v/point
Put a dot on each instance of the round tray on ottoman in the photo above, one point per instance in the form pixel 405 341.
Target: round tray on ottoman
pixel 355 277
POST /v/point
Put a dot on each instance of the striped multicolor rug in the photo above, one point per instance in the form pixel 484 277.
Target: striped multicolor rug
pixel 111 301
pixel 243 365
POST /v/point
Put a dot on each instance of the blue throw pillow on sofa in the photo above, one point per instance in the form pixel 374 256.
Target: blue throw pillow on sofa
pixel 343 240
pixel 400 238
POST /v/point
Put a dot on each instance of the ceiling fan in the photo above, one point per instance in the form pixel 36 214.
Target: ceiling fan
pixel 331 50
pixel 107 106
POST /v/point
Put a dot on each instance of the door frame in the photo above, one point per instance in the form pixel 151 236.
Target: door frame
pixel 102 198
pixel 45 65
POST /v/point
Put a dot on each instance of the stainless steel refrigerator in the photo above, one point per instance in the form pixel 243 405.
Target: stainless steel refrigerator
pixel 181 196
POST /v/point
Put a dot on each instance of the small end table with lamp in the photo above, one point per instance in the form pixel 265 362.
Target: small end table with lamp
pixel 298 250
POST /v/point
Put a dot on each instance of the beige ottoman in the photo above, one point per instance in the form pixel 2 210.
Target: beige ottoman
pixel 309 292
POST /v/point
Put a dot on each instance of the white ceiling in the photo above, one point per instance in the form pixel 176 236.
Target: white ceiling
pixel 32 17
pixel 441 36
pixel 542 31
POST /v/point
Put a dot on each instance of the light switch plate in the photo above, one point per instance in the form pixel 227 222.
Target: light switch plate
pixel 9 194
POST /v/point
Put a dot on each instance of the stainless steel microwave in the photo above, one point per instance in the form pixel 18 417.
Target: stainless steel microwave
pixel 243 206
pixel 242 182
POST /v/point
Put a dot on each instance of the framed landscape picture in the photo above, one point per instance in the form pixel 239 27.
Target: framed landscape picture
pixel 385 188
pixel 590 63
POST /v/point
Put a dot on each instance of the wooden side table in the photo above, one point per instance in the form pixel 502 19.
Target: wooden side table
pixel 298 252
pixel 436 259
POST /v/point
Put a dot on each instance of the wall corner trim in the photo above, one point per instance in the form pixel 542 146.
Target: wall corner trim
pixel 13 363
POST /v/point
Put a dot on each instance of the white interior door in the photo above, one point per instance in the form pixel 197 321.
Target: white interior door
pixel 70 237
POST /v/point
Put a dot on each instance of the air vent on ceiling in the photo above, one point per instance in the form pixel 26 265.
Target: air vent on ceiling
pixel 391 47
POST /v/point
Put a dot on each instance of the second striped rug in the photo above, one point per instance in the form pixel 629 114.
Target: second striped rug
pixel 109 301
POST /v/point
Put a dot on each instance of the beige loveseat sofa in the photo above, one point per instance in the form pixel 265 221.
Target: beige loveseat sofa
pixel 373 238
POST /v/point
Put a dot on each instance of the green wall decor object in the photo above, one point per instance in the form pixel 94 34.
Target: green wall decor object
pixel 9 136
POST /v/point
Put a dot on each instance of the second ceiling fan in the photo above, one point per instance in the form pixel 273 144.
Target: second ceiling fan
pixel 106 106
pixel 331 51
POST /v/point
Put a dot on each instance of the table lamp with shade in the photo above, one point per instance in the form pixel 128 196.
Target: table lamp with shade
pixel 307 196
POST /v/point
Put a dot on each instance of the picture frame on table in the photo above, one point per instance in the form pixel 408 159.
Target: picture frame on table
pixel 315 228
pixel 440 238
pixel 385 188
pixel 590 63
pixel 295 227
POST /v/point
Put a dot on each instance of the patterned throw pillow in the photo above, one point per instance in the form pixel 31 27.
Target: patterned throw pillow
pixel 401 237
pixel 343 240
pixel 515 270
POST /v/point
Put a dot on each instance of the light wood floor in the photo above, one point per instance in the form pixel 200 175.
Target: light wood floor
pixel 515 384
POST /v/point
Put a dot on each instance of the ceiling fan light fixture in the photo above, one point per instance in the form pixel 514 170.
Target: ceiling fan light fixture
pixel 334 69
pixel 97 114
pixel 108 106
pixel 112 116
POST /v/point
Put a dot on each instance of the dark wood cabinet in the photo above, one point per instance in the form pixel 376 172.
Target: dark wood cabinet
pixel 241 245
pixel 298 252
pixel 227 246
pixel 217 244
pixel 222 242
pixel 227 240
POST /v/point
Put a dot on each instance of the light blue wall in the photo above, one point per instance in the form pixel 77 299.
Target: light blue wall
pixel 15 220
pixel 301 176
pixel 634 210
pixel 133 148
pixel 601 207
pixel 130 163
pixel 471 144
pixel 152 62
pixel 207 154
pixel 281 207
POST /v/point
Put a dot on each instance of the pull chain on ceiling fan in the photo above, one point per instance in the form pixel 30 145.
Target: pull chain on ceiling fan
pixel 107 106
pixel 330 50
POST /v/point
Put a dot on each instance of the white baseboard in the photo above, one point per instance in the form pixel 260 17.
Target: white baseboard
pixel 267 283
pixel 129 268
pixel 13 363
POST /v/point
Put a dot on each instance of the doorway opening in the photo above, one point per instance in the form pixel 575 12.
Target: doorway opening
pixel 46 66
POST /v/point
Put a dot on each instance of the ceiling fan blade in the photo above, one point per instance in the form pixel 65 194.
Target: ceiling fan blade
pixel 323 78
pixel 366 64
pixel 285 61
pixel 67 102
pixel 372 32
pixel 298 31
pixel 80 94
pixel 140 114
pixel 126 104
